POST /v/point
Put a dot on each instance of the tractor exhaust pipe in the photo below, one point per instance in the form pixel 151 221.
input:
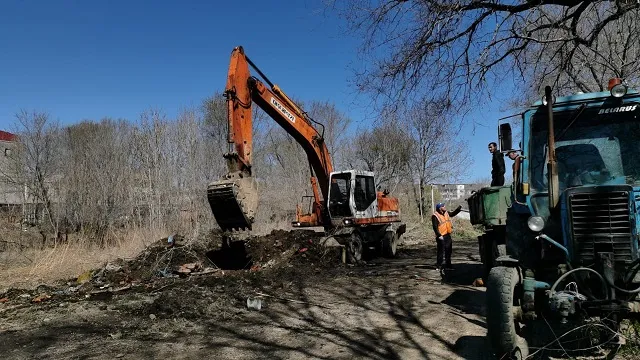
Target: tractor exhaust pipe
pixel 552 167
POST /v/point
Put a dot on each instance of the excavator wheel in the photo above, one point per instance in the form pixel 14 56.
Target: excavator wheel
pixel 233 202
pixel 355 248
pixel 389 244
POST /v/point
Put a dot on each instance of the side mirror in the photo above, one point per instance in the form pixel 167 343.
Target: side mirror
pixel 504 134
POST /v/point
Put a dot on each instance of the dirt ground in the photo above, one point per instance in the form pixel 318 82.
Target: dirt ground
pixel 312 306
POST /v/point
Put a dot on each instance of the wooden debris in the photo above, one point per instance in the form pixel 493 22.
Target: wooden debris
pixel 41 298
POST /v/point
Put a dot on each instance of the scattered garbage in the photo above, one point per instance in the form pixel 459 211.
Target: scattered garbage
pixel 41 298
pixel 112 267
pixel 254 304
pixel 186 269
pixel 254 268
pixel 84 277
pixel 159 267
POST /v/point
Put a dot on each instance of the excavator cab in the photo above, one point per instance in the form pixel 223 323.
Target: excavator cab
pixel 340 195
pixel 353 200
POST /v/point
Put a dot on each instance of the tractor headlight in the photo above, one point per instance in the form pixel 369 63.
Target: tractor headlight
pixel 619 90
pixel 347 221
pixel 536 223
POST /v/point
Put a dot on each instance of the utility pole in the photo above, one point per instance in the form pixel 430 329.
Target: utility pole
pixel 433 206
pixel 421 204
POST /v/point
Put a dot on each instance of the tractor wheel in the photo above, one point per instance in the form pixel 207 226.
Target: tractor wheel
pixel 355 248
pixel 502 327
pixel 490 252
pixel 389 244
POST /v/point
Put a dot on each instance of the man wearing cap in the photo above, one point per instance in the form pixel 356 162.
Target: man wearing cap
pixel 513 155
pixel 442 227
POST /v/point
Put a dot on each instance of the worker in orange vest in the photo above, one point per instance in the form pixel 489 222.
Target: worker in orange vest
pixel 443 227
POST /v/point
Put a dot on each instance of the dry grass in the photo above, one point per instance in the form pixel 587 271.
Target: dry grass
pixel 27 266
pixel 31 267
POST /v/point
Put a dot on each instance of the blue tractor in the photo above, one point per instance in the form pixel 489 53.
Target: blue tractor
pixel 572 225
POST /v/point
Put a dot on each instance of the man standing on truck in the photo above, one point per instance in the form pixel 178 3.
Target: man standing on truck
pixel 442 227
pixel 497 165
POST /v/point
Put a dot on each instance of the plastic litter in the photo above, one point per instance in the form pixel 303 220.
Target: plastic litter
pixel 254 304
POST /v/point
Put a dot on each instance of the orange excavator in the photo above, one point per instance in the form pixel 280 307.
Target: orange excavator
pixel 345 203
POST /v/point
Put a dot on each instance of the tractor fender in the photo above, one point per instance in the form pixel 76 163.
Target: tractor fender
pixel 508 261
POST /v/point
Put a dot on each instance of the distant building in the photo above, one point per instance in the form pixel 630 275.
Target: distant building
pixel 10 192
pixel 451 192
pixel 456 194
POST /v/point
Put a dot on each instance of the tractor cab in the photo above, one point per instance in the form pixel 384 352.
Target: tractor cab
pixel 572 230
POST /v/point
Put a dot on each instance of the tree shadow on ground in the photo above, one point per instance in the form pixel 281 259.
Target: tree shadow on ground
pixel 468 301
pixel 364 312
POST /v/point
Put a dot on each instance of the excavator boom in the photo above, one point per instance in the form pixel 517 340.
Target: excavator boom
pixel 233 199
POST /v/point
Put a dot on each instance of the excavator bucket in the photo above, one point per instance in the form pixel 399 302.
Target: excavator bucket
pixel 234 202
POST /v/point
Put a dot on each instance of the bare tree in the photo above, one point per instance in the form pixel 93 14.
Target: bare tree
pixel 436 152
pixel 39 159
pixel 613 53
pixel 385 149
pixel 333 125
pixel 99 177
pixel 456 48
pixel 215 125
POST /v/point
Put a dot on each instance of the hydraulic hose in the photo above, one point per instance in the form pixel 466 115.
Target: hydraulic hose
pixel 624 291
pixel 633 272
pixel 565 275
pixel 555 243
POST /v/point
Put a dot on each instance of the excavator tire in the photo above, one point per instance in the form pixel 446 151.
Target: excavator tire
pixel 389 244
pixel 355 248
pixel 233 203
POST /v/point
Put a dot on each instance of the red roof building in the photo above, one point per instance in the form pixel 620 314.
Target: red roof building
pixel 7 136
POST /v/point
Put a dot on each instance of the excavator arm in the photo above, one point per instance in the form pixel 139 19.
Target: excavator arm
pixel 233 199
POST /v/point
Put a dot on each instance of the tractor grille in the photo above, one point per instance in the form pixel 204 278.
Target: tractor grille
pixel 601 222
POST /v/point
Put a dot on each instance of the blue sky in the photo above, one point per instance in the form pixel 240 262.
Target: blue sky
pixel 88 60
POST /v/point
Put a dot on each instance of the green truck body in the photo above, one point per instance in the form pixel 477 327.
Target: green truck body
pixel 488 206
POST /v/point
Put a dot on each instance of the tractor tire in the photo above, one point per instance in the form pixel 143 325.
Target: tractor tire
pixel 389 244
pixel 490 252
pixel 355 248
pixel 502 328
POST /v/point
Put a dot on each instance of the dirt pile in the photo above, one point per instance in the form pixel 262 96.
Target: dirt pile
pixel 192 277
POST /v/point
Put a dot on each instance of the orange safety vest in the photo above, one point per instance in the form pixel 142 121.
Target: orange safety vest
pixel 444 223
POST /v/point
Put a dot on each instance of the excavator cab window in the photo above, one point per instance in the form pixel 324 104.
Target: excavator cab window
pixel 339 195
pixel 365 192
